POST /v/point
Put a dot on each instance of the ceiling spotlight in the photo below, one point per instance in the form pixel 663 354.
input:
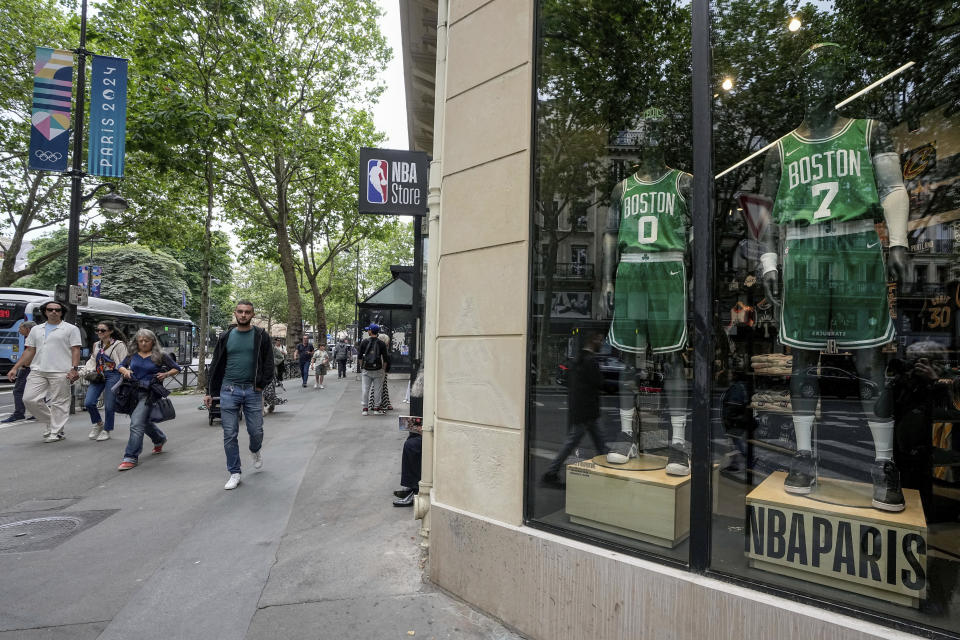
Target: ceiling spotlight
pixel 727 84
pixel 794 24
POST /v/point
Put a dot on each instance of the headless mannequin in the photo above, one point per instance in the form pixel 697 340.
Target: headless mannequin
pixel 821 75
pixel 650 167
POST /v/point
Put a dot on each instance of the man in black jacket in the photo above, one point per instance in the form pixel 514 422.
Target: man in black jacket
pixel 241 368
pixel 585 384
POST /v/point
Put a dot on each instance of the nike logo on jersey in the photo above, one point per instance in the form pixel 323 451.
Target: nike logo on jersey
pixel 787 155
pixel 871 246
pixel 673 273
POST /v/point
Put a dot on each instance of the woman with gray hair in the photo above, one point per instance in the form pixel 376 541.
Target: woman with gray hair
pixel 19 409
pixel 146 365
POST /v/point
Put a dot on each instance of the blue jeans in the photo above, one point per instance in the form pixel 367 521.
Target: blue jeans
pixel 93 394
pixel 140 424
pixel 305 371
pixel 233 399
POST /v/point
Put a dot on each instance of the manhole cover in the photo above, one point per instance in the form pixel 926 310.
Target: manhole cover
pixel 36 530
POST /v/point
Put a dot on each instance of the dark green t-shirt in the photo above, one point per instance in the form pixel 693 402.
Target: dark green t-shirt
pixel 240 358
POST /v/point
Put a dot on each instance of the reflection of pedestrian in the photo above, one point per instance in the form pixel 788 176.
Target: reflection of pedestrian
pixel 304 354
pixel 584 387
pixel 20 374
pixel 52 350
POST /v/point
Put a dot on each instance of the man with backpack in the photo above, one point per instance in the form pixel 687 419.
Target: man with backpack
pixel 373 365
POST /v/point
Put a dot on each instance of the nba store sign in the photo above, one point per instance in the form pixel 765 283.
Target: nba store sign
pixel 393 182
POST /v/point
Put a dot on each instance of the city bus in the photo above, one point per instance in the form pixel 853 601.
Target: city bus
pixel 177 336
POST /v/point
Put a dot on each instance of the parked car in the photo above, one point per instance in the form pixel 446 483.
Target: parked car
pixel 839 383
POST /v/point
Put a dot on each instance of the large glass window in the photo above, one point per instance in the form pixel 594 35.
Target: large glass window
pixel 837 367
pixel 609 430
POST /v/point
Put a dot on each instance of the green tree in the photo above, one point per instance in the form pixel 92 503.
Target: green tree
pixel 316 62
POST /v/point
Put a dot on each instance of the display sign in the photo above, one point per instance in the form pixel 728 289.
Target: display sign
pixel 393 182
pixel 108 117
pixel 50 111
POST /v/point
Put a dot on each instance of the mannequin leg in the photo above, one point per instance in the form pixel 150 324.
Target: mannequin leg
pixel 804 394
pixel 887 491
pixel 624 446
pixel 675 386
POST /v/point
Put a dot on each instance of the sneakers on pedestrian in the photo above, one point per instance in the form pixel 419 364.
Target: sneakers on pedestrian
pixel 12 418
pixel 622 449
pixel 378 412
pixel 233 482
pixel 316 385
pixel 95 431
pixel 126 465
pixel 364 412
pixel 257 459
pixel 158 448
pixel 887 494
pixel 304 385
pixel 321 386
pixel 54 437
pixel 678 463
pixel 104 435
pixel 31 418
pixel 803 474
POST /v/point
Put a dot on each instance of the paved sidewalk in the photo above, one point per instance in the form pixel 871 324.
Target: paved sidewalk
pixel 309 547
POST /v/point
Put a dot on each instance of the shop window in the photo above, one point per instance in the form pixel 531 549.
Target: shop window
pixel 609 432
pixel 836 141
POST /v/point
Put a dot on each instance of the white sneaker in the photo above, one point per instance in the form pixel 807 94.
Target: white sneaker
pixel 316 385
pixel 257 459
pixel 104 435
pixel 95 431
pixel 54 437
pixel 232 482
pixel 321 386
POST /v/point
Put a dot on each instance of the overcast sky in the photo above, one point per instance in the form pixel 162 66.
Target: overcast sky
pixel 390 114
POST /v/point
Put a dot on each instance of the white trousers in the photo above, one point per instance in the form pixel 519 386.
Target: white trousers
pixel 47 397
pixel 374 378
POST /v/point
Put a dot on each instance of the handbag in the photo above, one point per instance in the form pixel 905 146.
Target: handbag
pixel 162 410
pixel 94 377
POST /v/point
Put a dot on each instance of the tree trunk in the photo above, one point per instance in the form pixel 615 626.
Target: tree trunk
pixel 205 279
pixel 289 269
pixel 549 266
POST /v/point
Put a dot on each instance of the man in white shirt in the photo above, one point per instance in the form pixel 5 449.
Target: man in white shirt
pixel 52 351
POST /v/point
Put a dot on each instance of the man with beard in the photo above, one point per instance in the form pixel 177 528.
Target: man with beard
pixel 242 366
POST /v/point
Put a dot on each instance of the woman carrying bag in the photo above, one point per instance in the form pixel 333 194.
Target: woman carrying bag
pixel 101 372
pixel 146 367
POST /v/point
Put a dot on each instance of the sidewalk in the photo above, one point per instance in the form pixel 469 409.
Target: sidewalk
pixel 309 547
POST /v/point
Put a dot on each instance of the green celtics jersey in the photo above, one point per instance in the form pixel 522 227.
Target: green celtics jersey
pixel 653 215
pixel 829 179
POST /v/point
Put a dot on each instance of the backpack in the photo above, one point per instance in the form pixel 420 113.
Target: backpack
pixel 371 356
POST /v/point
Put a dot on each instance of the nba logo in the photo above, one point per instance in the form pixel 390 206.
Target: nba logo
pixel 377 178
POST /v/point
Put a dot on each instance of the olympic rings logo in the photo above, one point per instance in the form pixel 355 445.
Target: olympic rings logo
pixel 47 156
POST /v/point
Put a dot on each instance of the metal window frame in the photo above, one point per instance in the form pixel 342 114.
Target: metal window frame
pixel 701 496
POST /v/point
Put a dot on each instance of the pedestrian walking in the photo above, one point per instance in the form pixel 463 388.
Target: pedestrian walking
pixel 241 368
pixel 279 360
pixel 371 358
pixel 304 355
pixel 321 358
pixel 101 372
pixel 342 354
pixel 18 375
pixel 147 367
pixel 52 351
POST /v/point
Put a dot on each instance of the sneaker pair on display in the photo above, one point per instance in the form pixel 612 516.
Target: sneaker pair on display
pixel 887 491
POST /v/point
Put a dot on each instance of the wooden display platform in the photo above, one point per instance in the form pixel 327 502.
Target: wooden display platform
pixel 645 505
pixel 854 548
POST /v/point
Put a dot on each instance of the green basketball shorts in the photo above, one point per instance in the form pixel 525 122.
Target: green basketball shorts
pixel 835 287
pixel 650 303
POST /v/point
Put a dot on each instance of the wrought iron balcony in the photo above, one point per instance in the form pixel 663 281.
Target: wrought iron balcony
pixel 568 271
